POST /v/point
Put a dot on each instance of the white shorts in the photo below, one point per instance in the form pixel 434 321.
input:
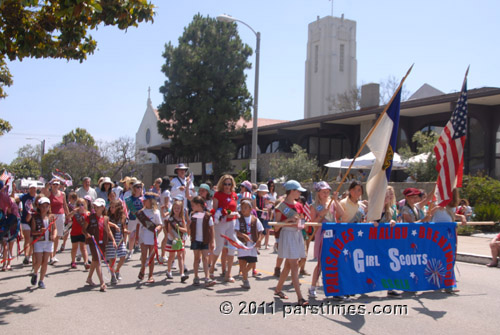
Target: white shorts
pixel 146 237
pixel 132 225
pixel 44 246
pixel 60 219
pixel 26 226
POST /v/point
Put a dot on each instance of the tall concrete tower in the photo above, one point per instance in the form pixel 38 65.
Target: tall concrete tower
pixel 331 66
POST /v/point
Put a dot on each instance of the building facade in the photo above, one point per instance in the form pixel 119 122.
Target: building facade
pixel 331 66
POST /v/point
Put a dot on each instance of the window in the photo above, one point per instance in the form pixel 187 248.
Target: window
pixel 278 146
pixel 475 147
pixel 497 155
pixel 328 148
pixel 316 51
pixel 341 58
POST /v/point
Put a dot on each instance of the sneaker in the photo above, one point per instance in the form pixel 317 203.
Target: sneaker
pixel 196 281
pixel 256 274
pixel 164 259
pixel 209 282
pixel 113 280
pixel 303 272
pixel 174 267
pixel 312 293
pixel 41 284
pixel 78 258
pixel 137 249
pixel 118 275
pixel 53 261
pixel 34 277
pixel 73 265
pixel 86 266
pixel 246 284
pixel 277 272
pixel 393 293
pixel 169 275
pixel 129 256
pixel 184 278
pixel 26 261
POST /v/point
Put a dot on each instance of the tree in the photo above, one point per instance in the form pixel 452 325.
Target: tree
pixel 27 162
pixel 425 142
pixel 205 92
pixel 119 158
pixel 299 167
pixel 59 29
pixel 79 136
pixel 345 102
pixel 388 87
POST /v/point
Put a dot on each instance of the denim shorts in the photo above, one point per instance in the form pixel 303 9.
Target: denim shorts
pixel 196 245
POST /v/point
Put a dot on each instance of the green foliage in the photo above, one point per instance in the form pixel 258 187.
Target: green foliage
pixel 487 212
pixel 299 167
pixel 60 28
pixel 243 175
pixel 5 127
pixel 481 190
pixel 425 142
pixel 205 92
pixel 81 157
pixel 79 136
pixel 25 167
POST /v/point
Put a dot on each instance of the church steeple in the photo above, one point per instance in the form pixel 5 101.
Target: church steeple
pixel 149 103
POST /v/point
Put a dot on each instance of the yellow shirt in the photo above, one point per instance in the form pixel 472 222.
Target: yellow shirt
pixel 350 209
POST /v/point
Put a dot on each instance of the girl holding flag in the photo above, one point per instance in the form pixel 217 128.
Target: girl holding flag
pixel 97 233
pixel 322 211
pixel 44 232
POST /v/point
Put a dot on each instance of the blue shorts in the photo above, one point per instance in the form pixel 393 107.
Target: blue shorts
pixel 196 245
pixel 265 224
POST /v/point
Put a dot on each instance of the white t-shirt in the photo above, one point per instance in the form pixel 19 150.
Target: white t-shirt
pixel 82 193
pixel 199 225
pixel 175 191
pixel 252 252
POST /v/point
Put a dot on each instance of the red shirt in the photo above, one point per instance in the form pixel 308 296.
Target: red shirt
pixel 76 229
pixel 227 201
pixel 297 207
pixel 56 203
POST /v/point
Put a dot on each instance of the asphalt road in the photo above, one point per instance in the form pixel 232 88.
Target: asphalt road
pixel 130 307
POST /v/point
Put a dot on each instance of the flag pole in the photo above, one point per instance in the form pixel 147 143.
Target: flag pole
pixel 371 131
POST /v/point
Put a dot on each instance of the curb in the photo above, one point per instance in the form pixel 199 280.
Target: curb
pixel 473 258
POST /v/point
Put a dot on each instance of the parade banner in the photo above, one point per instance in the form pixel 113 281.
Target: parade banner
pixel 359 257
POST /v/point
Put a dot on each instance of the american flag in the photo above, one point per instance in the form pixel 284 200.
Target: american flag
pixel 5 175
pixel 307 208
pixel 449 150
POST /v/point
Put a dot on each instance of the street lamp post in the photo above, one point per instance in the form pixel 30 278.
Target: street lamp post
pixel 253 160
pixel 42 150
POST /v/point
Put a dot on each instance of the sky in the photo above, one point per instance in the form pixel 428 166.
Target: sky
pixel 107 93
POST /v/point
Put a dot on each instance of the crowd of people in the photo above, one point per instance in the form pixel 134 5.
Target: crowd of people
pixel 110 223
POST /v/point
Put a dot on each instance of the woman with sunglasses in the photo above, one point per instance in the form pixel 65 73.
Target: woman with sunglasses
pixel 225 203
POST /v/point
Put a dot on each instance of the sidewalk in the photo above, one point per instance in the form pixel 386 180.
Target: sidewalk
pixel 475 248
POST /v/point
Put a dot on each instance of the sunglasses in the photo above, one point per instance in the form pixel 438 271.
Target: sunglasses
pixel 80 205
pixel 225 184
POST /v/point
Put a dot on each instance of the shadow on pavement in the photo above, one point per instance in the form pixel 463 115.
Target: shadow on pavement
pixel 8 306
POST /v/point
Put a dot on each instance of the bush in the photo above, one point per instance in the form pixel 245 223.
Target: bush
pixel 480 190
pixel 487 212
pixel 299 167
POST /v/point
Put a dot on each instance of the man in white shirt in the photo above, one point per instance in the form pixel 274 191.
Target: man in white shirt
pixel 179 183
pixel 86 189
